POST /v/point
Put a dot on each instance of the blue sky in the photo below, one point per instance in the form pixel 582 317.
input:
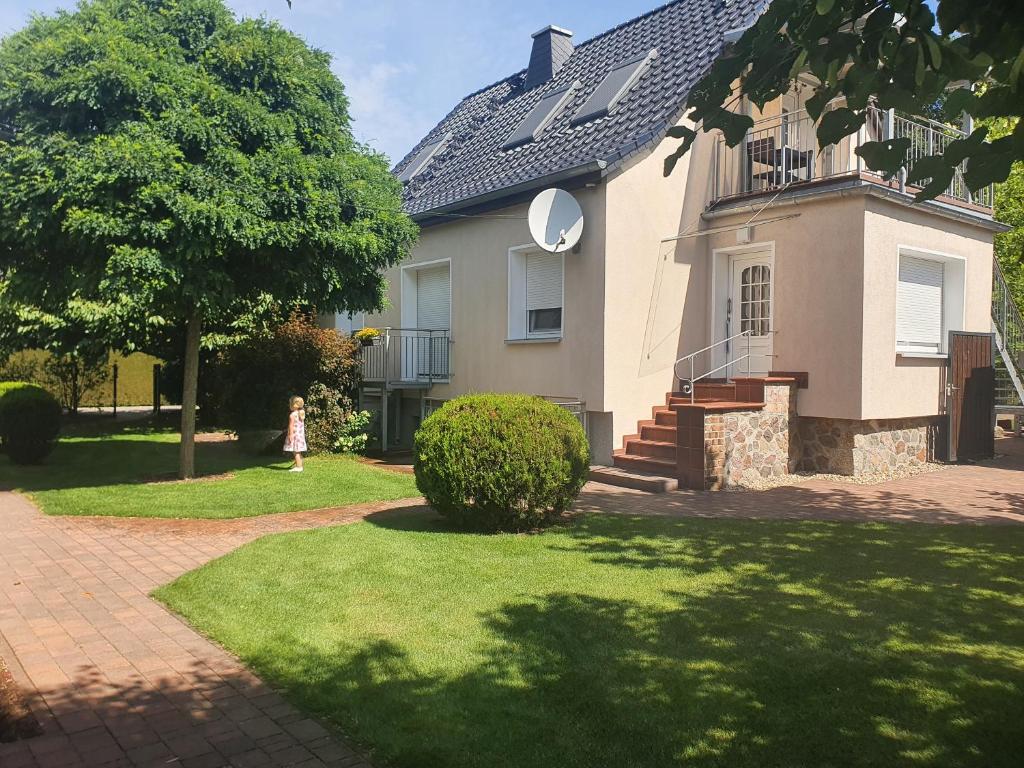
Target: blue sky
pixel 406 64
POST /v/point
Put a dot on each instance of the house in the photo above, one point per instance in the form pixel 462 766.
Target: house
pixel 809 302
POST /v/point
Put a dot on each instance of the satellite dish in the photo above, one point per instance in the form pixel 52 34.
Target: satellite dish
pixel 556 220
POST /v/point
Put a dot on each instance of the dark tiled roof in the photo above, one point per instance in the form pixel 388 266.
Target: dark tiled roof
pixel 687 35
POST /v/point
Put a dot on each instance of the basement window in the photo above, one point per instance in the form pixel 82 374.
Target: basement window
pixel 614 88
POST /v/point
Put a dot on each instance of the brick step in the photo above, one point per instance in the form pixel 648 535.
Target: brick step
pixel 638 481
pixel 663 417
pixel 664 467
pixel 658 432
pixel 656 448
pixel 702 400
pixel 700 389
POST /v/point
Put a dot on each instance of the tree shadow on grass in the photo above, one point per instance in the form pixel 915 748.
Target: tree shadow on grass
pixel 790 644
pixel 92 462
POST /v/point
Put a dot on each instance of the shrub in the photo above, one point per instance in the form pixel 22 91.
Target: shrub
pixel 500 462
pixel 355 434
pixel 329 427
pixel 29 422
pixel 252 381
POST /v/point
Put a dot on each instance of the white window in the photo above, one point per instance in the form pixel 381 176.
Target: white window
pixel 535 295
pixel 929 301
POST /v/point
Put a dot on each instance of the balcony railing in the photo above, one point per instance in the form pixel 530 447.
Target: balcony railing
pixel 783 150
pixel 408 357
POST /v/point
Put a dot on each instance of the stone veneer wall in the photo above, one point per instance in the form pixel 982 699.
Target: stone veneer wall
pixel 847 447
pixel 746 446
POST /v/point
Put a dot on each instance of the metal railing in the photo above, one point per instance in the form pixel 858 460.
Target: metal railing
pixel 578 408
pixel 1009 328
pixel 413 355
pixel 783 150
pixel 691 358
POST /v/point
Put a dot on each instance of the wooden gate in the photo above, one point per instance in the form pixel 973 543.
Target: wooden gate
pixel 972 396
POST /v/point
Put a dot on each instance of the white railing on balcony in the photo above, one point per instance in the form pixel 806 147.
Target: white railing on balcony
pixel 783 150
pixel 408 356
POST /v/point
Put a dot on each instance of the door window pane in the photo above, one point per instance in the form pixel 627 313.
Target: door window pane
pixel 755 300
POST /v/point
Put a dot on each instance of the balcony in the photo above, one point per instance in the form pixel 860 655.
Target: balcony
pixel 408 358
pixel 782 151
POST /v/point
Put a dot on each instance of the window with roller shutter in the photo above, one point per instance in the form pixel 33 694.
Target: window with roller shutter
pixel 544 294
pixel 919 305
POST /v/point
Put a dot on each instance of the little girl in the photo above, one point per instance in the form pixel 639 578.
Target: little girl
pixel 296 440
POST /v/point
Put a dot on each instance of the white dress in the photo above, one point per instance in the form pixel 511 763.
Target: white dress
pixel 298 430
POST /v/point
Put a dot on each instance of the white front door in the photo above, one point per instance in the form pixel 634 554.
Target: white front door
pixel 750 308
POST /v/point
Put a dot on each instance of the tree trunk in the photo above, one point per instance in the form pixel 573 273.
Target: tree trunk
pixel 190 386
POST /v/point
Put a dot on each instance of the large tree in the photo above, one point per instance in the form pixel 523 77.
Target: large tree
pixel 170 163
pixel 968 57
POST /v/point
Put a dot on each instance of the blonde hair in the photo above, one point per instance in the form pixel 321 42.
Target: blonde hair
pixel 296 403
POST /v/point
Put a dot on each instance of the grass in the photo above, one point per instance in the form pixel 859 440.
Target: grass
pixel 113 474
pixel 637 641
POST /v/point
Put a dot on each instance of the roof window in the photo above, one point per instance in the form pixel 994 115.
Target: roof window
pixel 613 88
pixel 423 157
pixel 540 117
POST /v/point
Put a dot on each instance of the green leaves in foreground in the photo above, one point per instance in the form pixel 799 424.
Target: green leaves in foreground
pixel 966 59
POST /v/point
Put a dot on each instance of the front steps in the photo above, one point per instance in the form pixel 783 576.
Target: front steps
pixel 683 444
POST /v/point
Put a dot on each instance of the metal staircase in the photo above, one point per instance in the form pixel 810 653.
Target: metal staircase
pixel 1009 330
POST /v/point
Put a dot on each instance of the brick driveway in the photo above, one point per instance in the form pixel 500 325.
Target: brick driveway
pixel 991 492
pixel 116 679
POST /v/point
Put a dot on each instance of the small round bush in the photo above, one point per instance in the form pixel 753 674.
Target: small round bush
pixel 29 422
pixel 501 462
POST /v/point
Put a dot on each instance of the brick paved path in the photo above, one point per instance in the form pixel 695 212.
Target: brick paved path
pixel 117 680
pixel 989 492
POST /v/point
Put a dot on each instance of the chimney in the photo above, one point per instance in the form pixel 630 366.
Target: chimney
pixel 551 47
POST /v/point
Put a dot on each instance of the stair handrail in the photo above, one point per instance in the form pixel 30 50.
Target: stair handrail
pixel 693 355
pixel 1009 327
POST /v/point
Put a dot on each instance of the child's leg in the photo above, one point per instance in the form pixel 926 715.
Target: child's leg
pixel 298 460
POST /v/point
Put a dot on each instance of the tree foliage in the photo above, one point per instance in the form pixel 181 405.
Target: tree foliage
pixel 170 164
pixel 967 57
pixel 1009 209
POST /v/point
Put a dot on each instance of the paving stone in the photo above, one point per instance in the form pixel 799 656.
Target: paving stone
pixel 118 679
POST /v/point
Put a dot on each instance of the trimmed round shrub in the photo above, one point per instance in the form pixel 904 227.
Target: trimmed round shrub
pixel 501 462
pixel 29 422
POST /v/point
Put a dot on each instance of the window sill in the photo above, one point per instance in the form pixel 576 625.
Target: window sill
pixel 923 355
pixel 538 340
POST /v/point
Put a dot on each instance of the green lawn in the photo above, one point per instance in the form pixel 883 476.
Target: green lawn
pixel 637 642
pixel 112 474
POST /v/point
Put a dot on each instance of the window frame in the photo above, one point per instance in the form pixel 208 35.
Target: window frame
pixel 954 299
pixel 518 305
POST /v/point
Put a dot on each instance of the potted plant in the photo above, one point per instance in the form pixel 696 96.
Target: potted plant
pixel 366 336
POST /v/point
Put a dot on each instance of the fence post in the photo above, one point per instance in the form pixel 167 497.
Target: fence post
pixel 115 389
pixel 156 389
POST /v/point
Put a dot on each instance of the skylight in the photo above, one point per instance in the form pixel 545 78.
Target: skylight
pixel 423 157
pixel 540 117
pixel 613 88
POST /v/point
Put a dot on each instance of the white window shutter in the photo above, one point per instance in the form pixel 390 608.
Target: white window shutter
pixel 919 304
pixel 433 298
pixel 543 281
